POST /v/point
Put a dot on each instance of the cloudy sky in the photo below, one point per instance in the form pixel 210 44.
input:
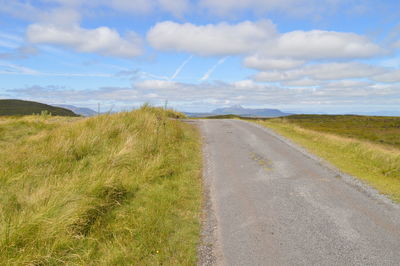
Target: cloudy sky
pixel 296 55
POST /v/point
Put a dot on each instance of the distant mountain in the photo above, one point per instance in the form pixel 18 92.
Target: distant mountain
pixel 78 110
pixel 20 107
pixel 239 110
pixel 197 114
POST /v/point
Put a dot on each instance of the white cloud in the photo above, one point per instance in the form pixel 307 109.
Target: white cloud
pixel 305 82
pixel 52 94
pixel 246 84
pixel 131 6
pixel 248 92
pixel 176 7
pixel 62 17
pixel 265 63
pixel 275 76
pixel 67 2
pixel 218 39
pixel 291 7
pixel 327 71
pixel 348 84
pixel 211 95
pixel 225 6
pixel 317 44
pixel 157 84
pixel 23 10
pixel 275 51
pixel 389 77
pixel 348 70
pixel 213 39
pixel 41 12
pixel 102 40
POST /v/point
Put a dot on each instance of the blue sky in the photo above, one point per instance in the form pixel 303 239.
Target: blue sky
pixel 296 55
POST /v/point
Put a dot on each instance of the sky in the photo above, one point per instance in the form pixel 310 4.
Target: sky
pixel 306 56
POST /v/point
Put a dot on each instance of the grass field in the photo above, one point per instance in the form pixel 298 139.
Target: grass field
pixel 380 130
pixel 365 147
pixel 122 189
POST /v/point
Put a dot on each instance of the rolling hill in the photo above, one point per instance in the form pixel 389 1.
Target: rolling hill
pixel 20 107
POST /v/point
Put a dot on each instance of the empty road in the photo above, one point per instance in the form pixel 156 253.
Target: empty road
pixel 272 204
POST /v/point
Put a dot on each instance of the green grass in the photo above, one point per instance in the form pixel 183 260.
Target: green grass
pixel 122 189
pixel 380 130
pixel 20 107
pixel 347 145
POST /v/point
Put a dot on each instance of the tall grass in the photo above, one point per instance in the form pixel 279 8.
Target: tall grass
pixel 376 164
pixel 120 189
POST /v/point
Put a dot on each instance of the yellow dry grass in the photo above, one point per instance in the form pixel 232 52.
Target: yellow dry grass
pixel 121 189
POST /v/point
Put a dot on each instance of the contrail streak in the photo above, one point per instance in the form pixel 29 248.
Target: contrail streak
pixel 212 69
pixel 179 69
pixel 171 78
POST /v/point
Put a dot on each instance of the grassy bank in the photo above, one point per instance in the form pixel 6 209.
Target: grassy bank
pixel 20 108
pixel 370 155
pixel 111 190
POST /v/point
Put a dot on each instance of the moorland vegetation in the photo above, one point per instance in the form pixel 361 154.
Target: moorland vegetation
pixel 120 189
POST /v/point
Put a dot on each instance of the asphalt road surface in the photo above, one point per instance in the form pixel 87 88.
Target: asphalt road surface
pixel 270 203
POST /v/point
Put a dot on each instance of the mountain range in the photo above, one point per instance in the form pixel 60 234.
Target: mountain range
pixel 78 110
pixel 241 111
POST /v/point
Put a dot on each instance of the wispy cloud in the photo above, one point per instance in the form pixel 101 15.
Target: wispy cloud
pixel 20 52
pixel 10 41
pixel 7 68
pixel 207 75
pixel 8 44
pixel 214 94
pixel 146 75
pixel 13 69
pixel 11 37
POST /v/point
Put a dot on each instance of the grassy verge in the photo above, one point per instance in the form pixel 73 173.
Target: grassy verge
pixel 376 164
pixel 120 189
pixel 376 129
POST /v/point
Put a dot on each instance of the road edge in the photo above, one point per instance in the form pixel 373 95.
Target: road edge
pixel 209 252
pixel 348 179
